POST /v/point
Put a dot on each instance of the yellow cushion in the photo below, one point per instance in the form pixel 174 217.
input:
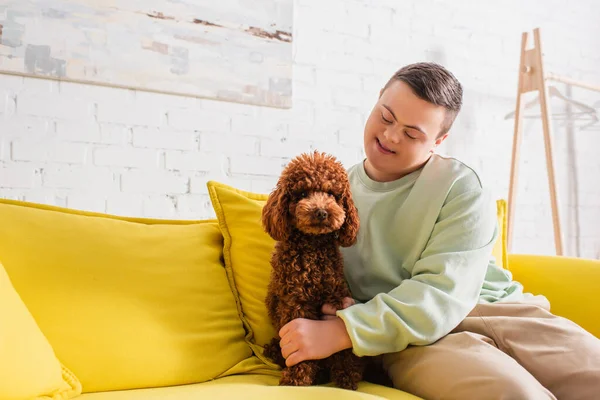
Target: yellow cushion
pixel 500 249
pixel 29 368
pixel 254 387
pixel 125 302
pixel 247 252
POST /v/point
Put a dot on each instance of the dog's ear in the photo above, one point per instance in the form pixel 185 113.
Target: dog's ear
pixel 275 214
pixel 349 230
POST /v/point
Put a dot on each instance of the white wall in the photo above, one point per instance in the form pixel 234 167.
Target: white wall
pixel 135 153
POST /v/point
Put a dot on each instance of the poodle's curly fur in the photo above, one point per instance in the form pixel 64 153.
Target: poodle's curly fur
pixel 309 214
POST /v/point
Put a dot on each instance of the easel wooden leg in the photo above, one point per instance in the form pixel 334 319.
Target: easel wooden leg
pixel 514 166
pixel 532 78
pixel 543 89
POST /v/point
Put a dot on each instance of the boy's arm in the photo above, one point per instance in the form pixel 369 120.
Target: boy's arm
pixel 444 287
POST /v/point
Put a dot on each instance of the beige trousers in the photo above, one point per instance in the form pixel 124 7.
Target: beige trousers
pixel 516 351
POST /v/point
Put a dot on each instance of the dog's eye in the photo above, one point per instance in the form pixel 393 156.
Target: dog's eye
pixel 303 194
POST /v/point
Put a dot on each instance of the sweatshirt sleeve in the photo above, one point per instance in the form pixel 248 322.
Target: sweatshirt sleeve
pixel 444 286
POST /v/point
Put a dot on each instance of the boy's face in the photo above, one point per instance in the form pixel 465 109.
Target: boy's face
pixel 401 133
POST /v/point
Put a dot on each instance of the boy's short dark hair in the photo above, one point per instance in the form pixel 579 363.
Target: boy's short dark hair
pixel 434 84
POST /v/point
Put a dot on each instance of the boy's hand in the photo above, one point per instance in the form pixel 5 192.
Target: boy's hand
pixel 307 339
pixel 329 311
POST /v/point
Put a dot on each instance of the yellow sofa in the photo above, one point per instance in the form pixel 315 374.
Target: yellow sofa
pixel 102 307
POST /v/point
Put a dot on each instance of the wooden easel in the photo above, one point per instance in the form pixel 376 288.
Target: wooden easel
pixel 533 77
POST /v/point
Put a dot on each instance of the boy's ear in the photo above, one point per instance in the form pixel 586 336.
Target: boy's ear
pixel 439 140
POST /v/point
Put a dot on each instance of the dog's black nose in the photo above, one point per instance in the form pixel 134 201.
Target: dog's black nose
pixel 321 214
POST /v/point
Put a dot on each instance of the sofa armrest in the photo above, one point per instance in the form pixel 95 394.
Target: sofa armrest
pixel 572 285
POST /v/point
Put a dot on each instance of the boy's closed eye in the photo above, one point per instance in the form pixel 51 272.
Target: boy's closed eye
pixel 409 135
pixel 389 122
pixel 385 120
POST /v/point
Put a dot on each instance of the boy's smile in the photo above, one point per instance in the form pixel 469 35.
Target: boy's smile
pixel 384 149
pixel 401 133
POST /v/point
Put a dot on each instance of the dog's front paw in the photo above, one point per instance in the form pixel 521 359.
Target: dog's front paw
pixel 303 374
pixel 273 352
pixel 346 381
pixel 346 370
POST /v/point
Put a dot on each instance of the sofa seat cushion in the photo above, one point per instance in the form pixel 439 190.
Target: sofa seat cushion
pixel 125 303
pixel 252 387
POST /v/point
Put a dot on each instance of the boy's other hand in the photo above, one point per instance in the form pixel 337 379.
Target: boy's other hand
pixel 329 310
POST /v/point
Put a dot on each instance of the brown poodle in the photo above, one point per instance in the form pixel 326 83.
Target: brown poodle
pixel 310 214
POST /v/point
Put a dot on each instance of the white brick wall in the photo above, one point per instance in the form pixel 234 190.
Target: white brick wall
pixel 144 154
pixel 120 156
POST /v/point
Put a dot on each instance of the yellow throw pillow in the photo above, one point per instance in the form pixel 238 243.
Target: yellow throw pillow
pixel 126 303
pixel 29 368
pixel 499 252
pixel 247 254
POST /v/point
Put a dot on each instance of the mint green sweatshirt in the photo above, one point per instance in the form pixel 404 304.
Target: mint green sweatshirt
pixel 422 259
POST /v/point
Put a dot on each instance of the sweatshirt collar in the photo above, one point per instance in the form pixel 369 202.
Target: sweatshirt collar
pixel 391 185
